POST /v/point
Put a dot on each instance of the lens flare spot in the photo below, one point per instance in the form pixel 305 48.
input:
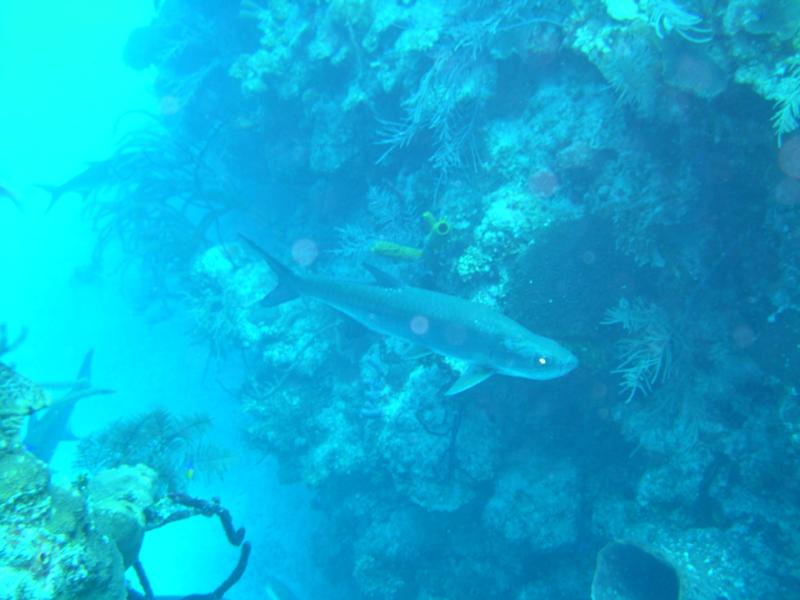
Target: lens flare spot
pixel 170 105
pixel 305 252
pixel 419 325
pixel 743 336
pixel 589 257
pixel 543 183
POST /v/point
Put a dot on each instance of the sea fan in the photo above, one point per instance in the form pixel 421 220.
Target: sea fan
pixel 172 445
pixel 646 354
pixel 787 109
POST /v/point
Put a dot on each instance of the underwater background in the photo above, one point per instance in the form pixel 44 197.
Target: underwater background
pixel 619 178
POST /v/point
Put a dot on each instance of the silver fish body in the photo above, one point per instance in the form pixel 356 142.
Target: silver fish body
pixel 483 337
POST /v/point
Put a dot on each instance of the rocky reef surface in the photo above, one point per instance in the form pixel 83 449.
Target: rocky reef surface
pixel 69 542
pixel 620 175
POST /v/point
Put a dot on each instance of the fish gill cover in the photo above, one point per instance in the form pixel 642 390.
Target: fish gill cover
pixel 621 177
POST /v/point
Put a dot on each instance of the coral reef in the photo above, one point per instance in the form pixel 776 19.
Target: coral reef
pixel 71 541
pixel 66 542
pixel 610 175
pixel 53 548
pixel 119 498
pixel 19 398
pixel 223 289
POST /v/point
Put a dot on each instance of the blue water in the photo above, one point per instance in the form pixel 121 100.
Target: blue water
pixel 620 177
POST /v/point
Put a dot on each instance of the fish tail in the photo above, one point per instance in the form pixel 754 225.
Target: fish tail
pixel 55 195
pixel 5 193
pixel 288 281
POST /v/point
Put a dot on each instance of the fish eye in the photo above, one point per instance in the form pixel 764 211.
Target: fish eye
pixel 541 360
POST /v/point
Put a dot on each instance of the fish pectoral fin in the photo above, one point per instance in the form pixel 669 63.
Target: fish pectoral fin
pixel 469 378
pixel 280 294
pixel 414 352
pixel 382 278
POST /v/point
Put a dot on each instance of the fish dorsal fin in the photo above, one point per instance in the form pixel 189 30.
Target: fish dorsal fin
pixel 85 373
pixel 382 278
pixel 469 378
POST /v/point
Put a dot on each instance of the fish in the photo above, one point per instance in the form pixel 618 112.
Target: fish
pixel 96 175
pixel 7 345
pixel 188 468
pixel 6 193
pixel 47 430
pixel 487 340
